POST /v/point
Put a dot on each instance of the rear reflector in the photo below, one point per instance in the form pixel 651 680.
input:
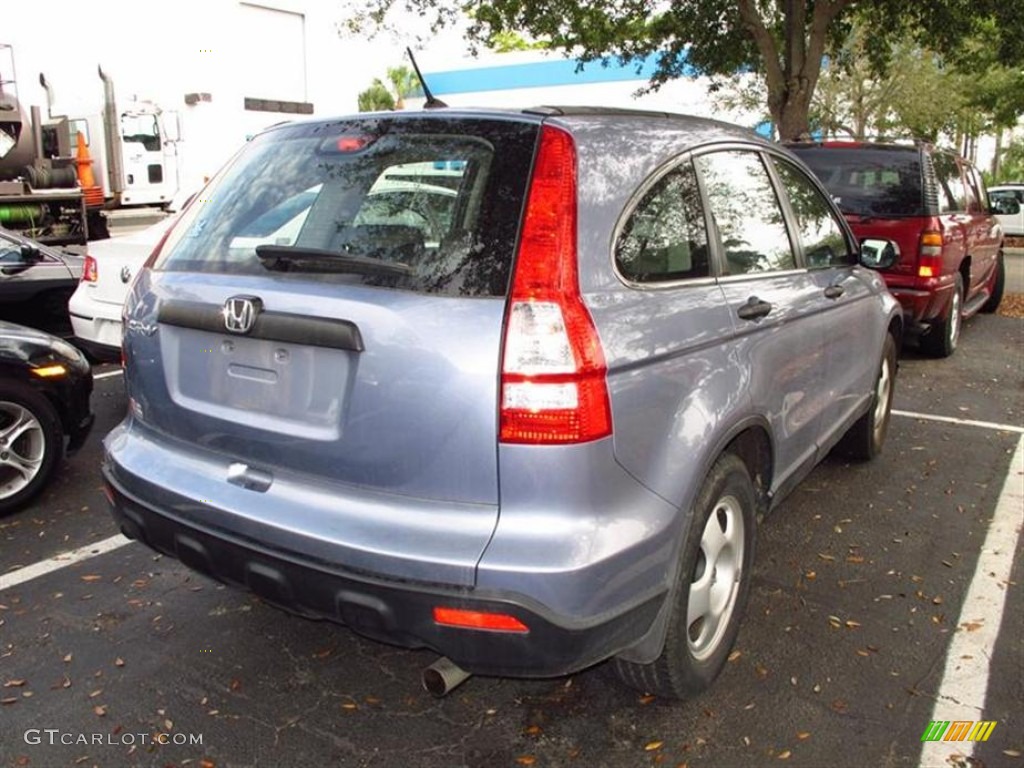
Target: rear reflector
pixel 929 266
pixel 553 379
pixel 457 617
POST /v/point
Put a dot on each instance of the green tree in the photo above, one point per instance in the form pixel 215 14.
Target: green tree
pixel 783 40
pixel 376 98
pixel 403 83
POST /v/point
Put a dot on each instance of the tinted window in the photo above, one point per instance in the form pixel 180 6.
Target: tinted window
pixel 439 201
pixel 978 189
pixel 821 235
pixel 665 237
pixel 746 213
pixel 952 193
pixel 869 181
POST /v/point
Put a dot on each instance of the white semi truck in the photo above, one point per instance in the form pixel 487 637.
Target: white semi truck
pixel 45 189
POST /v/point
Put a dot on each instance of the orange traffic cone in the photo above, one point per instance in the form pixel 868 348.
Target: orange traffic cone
pixel 86 178
pixel 84 163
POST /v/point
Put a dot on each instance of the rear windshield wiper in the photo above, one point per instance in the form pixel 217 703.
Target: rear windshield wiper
pixel 291 258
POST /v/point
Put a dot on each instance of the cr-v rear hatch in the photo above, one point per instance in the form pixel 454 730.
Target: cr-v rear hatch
pixel 333 310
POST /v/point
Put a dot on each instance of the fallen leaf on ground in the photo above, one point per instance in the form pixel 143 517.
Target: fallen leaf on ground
pixel 533 730
pixel 785 754
pixel 646 699
pixel 91 577
pixel 972 626
pixel 14 684
pixel 9 700
pixel 735 655
pixel 823 556
pixel 1011 752
pixel 526 760
pixel 67 659
pixel 803 735
pixel 100 710
pixel 851 624
pixel 118 662
pixel 653 745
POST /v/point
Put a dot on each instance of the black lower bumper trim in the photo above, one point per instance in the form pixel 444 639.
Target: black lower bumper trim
pixel 400 614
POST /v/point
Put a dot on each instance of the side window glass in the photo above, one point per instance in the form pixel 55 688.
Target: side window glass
pixel 952 195
pixel 665 238
pixel 820 233
pixel 978 190
pixel 746 213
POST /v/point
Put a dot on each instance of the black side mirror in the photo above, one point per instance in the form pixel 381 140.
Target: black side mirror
pixel 30 254
pixel 878 254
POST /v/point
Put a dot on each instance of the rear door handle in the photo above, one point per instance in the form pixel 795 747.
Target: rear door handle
pixel 754 309
pixel 834 291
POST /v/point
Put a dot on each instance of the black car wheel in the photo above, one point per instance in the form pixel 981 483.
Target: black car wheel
pixel 712 588
pixel 30 443
pixel 865 438
pixel 995 296
pixel 942 338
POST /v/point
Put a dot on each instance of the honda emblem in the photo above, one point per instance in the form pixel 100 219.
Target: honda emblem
pixel 240 313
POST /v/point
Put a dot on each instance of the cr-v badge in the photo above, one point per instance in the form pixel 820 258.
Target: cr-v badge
pixel 240 313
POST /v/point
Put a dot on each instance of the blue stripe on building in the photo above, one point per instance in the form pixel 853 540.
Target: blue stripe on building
pixel 539 74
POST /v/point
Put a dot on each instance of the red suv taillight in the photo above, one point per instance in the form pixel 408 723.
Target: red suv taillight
pixel 91 271
pixel 929 257
pixel 553 378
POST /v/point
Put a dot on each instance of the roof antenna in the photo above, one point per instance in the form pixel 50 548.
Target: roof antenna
pixel 432 103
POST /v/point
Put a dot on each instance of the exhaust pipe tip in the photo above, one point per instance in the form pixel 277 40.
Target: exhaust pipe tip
pixel 443 676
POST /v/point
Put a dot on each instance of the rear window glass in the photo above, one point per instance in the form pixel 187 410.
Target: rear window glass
pixel 869 182
pixel 426 205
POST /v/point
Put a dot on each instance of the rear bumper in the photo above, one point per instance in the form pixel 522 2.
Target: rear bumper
pixel 395 612
pixel 923 301
pixel 96 325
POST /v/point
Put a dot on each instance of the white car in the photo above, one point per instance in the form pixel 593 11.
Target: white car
pixel 110 267
pixel 1012 223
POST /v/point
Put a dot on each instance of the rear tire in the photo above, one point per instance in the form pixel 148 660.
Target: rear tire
pixel 998 285
pixel 711 588
pixel 31 442
pixel 944 335
pixel 866 437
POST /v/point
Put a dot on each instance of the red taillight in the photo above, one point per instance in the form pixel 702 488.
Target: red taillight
pixel 457 617
pixel 91 271
pixel 553 379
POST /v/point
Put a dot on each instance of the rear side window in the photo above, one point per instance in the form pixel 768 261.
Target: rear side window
pixel 952 192
pixel 425 205
pixel 664 238
pixel 746 213
pixel 821 235
pixel 869 181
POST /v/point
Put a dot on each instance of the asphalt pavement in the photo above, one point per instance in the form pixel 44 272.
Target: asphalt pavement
pixel 859 588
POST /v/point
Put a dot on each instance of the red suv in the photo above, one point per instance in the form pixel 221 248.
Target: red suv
pixel 934 206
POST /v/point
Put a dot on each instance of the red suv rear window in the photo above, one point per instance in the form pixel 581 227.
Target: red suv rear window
pixel 869 181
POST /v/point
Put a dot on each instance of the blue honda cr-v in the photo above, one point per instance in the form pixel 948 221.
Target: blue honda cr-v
pixel 514 386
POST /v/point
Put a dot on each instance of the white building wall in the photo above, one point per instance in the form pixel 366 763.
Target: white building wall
pixel 160 51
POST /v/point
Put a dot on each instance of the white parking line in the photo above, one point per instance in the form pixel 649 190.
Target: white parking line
pixel 108 374
pixel 961 422
pixel 55 563
pixel 961 693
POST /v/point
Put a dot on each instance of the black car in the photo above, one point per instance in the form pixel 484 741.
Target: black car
pixel 45 384
pixel 35 280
